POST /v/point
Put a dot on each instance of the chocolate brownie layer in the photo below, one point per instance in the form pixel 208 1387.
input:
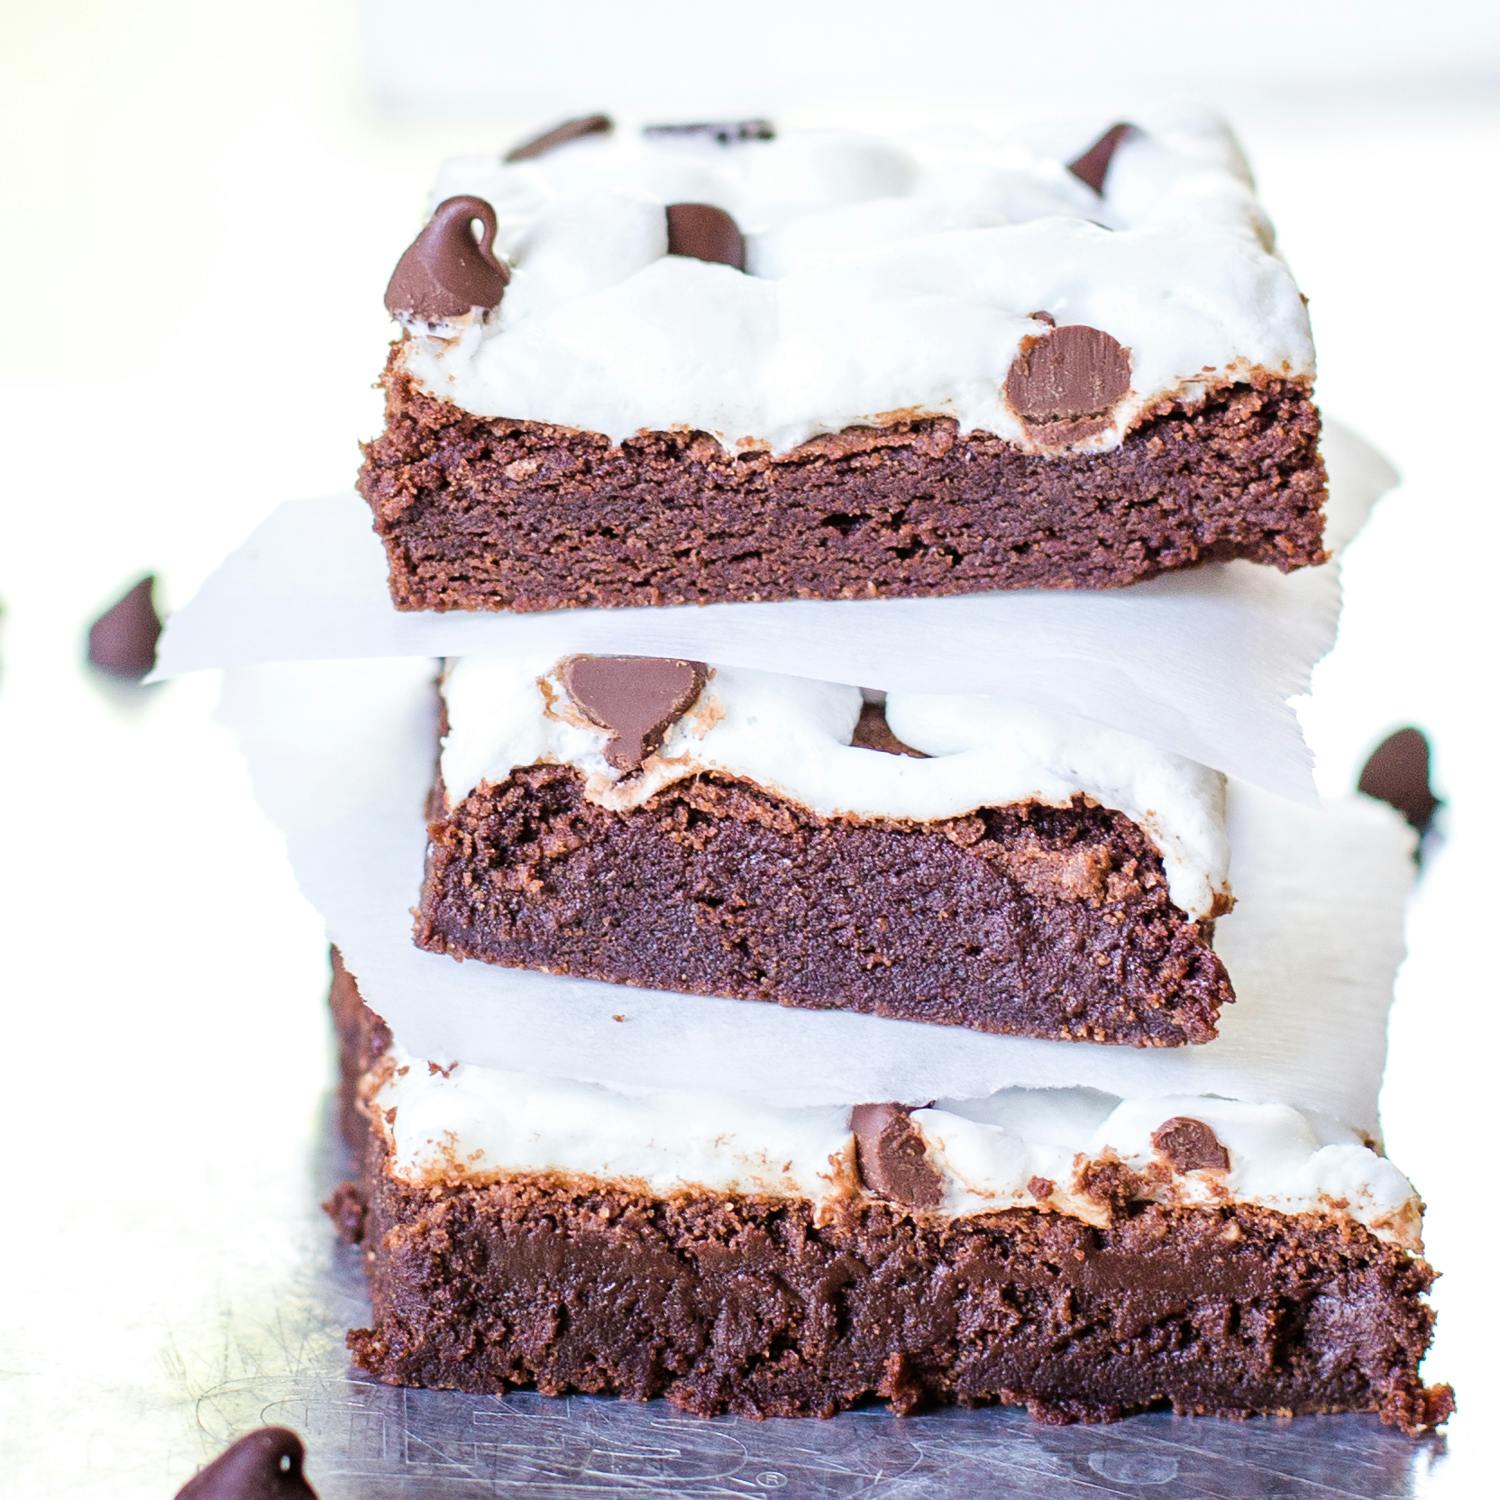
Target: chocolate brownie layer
pixel 1028 920
pixel 774 1306
pixel 491 514
pixel 759 1306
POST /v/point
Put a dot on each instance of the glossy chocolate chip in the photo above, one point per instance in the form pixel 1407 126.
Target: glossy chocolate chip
pixel 445 272
pixel 1065 384
pixel 560 135
pixel 1093 166
pixel 892 1156
pixel 636 698
pixel 703 232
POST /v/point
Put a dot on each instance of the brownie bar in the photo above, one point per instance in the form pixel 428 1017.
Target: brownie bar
pixel 728 1304
pixel 764 1306
pixel 1026 920
pixel 488 514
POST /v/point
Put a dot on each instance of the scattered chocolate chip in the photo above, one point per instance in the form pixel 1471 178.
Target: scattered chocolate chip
pixel 1064 384
pixel 1190 1145
pixel 1040 1187
pixel 636 698
pixel 725 132
pixel 703 232
pixel 872 732
pixel 560 135
pixel 1398 772
pixel 444 273
pixel 1043 317
pixel 892 1157
pixel 122 641
pixel 263 1465
pixel 1093 166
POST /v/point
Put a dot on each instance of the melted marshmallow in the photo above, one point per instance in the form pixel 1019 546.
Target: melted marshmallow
pixel 791 736
pixel 471 1124
pixel 885 277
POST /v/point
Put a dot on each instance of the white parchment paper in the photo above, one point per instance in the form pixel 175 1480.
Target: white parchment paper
pixel 1201 662
pixel 341 755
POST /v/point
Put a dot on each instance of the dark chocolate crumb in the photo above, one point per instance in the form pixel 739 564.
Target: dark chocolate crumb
pixel 346 1207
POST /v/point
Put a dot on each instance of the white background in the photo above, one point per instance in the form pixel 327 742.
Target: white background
pixel 201 203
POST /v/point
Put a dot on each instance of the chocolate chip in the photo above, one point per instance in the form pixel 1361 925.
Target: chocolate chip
pixel 1064 384
pixel 872 732
pixel 1093 166
pixel 1043 317
pixel 1398 772
pixel 444 273
pixel 1190 1145
pixel 122 641
pixel 725 132
pixel 263 1465
pixel 703 232
pixel 1040 1187
pixel 560 135
pixel 892 1156
pixel 636 698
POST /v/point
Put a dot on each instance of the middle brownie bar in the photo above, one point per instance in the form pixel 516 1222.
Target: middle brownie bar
pixel 938 858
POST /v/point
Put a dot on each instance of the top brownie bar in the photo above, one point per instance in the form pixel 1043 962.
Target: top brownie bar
pixel 719 363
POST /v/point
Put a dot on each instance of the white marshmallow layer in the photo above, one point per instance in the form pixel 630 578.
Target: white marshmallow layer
pixel 791 737
pixel 887 277
pixel 1019 1148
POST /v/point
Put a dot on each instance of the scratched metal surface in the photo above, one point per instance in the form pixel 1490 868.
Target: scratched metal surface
pixel 167 1280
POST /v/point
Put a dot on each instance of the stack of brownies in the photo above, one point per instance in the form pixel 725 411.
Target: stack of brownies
pixel 718 363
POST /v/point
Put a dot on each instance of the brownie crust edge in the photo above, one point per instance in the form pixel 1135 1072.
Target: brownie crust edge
pixel 1024 920
pixel 486 514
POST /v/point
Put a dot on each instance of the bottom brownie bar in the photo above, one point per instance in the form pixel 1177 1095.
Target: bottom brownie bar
pixel 785 1262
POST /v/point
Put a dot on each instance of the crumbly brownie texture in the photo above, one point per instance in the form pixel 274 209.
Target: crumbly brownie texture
pixel 1027 920
pixel 483 513
pixel 766 1306
pixel 729 1304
